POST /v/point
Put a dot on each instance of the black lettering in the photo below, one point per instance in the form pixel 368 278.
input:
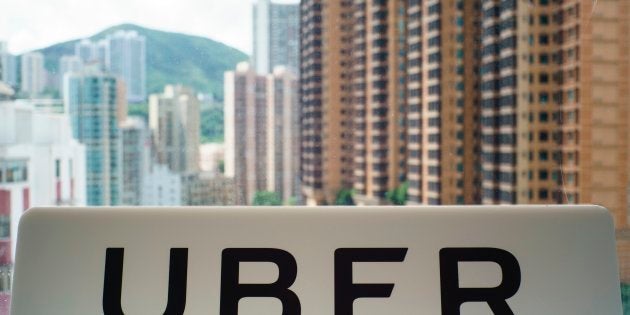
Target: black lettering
pixel 453 296
pixel 112 289
pixel 345 290
pixel 232 291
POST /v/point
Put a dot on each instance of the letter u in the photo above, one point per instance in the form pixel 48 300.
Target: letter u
pixel 112 289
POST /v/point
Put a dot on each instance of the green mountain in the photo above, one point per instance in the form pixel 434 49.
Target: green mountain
pixel 172 58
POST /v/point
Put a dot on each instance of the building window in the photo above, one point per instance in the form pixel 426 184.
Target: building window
pixel 57 168
pixel 543 116
pixel 14 171
pixel 543 194
pixel 544 19
pixel 543 98
pixel 543 39
pixel 544 59
pixel 543 155
pixel 543 175
pixel 543 136
pixel 543 78
pixel 5 226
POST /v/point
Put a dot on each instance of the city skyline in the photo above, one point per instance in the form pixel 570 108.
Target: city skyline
pixel 26 29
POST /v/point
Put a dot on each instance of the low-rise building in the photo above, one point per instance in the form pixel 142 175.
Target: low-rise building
pixel 41 164
pixel 161 187
pixel 208 189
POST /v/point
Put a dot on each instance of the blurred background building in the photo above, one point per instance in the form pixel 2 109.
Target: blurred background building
pixel 246 131
pixel 90 100
pixel 276 36
pixel 41 164
pixel 174 122
pixel 136 159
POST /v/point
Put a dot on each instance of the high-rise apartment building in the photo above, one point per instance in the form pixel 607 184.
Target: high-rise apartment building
pixel 41 164
pixel 136 147
pixel 471 101
pixel 378 98
pixel 33 74
pixel 8 65
pixel 554 81
pixel 90 52
pixel 353 96
pixel 326 99
pixel 9 71
pixel 502 102
pixel 283 135
pixel 123 54
pixel 127 59
pixel 442 102
pixel 85 51
pixel 90 99
pixel 246 131
pixel 554 106
pixel 68 64
pixel 174 122
pixel 276 36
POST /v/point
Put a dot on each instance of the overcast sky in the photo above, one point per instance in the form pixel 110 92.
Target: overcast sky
pixel 32 24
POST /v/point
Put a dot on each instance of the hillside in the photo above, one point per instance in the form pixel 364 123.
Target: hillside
pixel 171 58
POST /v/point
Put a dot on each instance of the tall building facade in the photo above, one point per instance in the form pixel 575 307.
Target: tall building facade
pixel 262 133
pixel 127 59
pixel 41 164
pixel 283 136
pixel 136 152
pixel 483 101
pixel 276 36
pixel 123 54
pixel 441 125
pixel 90 52
pixel 90 99
pixel 378 98
pixel 554 95
pixel 8 69
pixel 470 102
pixel 246 131
pixel 33 74
pixel 68 64
pixel 85 51
pixel 174 122
pixel 326 149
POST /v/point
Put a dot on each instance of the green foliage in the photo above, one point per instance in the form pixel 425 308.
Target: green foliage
pixel 398 196
pixel 266 198
pixel 344 197
pixel 212 125
pixel 172 58
pixel 293 201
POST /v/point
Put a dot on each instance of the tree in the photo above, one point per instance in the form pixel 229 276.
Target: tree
pixel 398 196
pixel 344 197
pixel 266 198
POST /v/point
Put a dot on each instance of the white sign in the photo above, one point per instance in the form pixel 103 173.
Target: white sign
pixel 317 261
